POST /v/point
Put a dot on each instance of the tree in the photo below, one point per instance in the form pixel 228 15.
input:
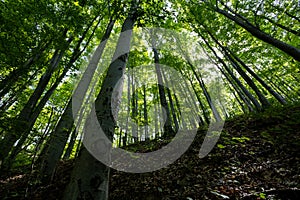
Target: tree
pixel 90 177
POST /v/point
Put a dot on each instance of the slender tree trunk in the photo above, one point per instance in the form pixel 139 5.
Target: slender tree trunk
pixel 235 94
pixel 134 111
pixel 79 145
pixel 262 82
pixel 204 109
pixel 156 131
pixel 171 104
pixel 89 179
pixel 35 110
pixel 24 121
pixel 70 145
pixel 120 138
pixel 185 91
pixel 243 22
pixel 41 140
pixel 57 143
pixel 145 113
pixel 245 90
pixel 235 64
pixel 265 103
pixel 168 130
pixel 178 109
pixel 128 109
pixel 7 83
pixel 197 95
pixel 236 89
pixel 61 134
pixel 206 94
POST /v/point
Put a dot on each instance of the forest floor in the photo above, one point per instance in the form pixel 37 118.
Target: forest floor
pixel 256 157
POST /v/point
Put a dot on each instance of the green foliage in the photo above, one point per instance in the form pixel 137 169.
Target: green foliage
pixel 262 195
pixel 22 159
pixel 241 139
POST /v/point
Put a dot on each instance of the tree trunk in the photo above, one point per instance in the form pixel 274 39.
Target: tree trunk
pixel 56 144
pixel 289 49
pixel 237 90
pixel 265 103
pixel 89 179
pixel 35 110
pixel 134 110
pixel 171 104
pixel 7 83
pixel 168 130
pixel 24 121
pixel 235 64
pixel 70 145
pixel 204 110
pixel 245 90
pixel 206 94
pixel 145 113
pixel 262 82
pixel 128 110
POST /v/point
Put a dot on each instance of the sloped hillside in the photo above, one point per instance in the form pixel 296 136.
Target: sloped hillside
pixel 257 157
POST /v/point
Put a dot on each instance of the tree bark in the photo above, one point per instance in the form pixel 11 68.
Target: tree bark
pixel 70 145
pixel 206 94
pixel 236 80
pixel 262 82
pixel 237 67
pixel 56 144
pixel 24 121
pixel 89 179
pixel 241 21
pixel 7 83
pixel 31 111
pixel 173 112
pixel 168 130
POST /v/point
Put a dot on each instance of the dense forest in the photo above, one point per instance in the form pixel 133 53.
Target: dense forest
pixel 136 99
